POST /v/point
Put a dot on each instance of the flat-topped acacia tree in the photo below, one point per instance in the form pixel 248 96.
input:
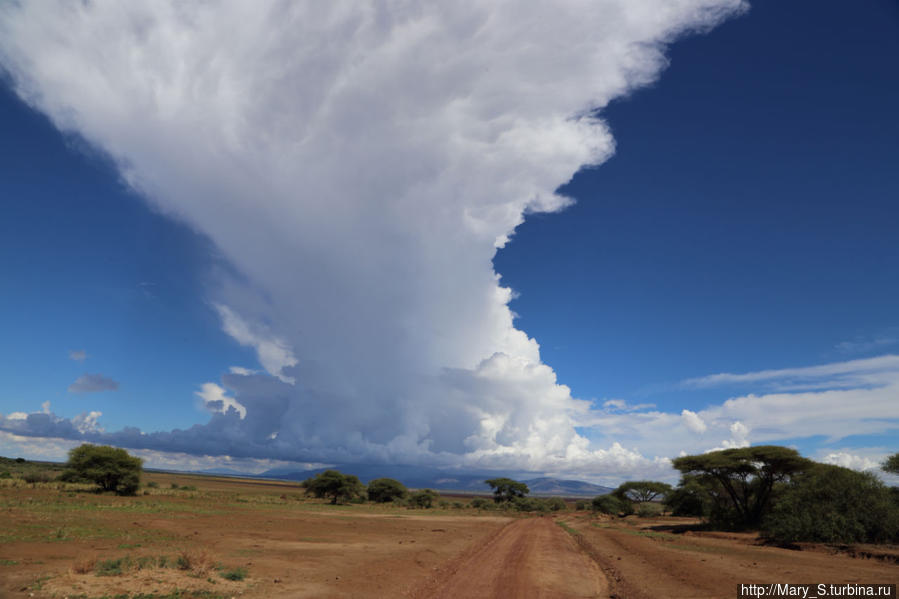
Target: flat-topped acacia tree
pixel 506 489
pixel 740 481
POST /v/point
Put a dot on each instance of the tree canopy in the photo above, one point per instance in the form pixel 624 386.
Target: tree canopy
pixel 336 485
pixel 506 489
pixel 740 481
pixel 110 468
pixel 383 490
pixel 640 491
pixel 891 464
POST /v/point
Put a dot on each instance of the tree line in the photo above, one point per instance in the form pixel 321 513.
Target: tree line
pixel 773 489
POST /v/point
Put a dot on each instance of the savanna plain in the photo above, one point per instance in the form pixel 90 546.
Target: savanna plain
pixel 191 536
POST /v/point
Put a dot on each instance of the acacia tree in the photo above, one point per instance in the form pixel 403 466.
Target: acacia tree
pixel 336 485
pixel 740 482
pixel 641 491
pixel 506 489
pixel 382 490
pixel 891 464
pixel 110 468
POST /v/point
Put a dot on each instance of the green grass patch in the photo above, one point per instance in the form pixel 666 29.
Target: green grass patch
pixel 567 528
pixel 113 567
pixel 8 562
pixel 234 574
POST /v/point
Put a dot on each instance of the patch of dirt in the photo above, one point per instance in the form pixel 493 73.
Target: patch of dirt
pixel 645 563
pixel 528 558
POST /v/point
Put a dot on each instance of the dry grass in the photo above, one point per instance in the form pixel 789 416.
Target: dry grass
pixel 197 562
pixel 84 566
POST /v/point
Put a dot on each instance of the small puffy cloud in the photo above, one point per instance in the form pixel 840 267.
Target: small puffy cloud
pixel 79 355
pixel 93 383
pixel 849 459
pixel 215 399
pixel 693 422
pixel 242 371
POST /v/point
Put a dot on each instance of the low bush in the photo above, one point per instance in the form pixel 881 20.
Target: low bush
pixel 481 503
pixel 649 509
pixel 830 504
pixel 234 574
pixel 609 504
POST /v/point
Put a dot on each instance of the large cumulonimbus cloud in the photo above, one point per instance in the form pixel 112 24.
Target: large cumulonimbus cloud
pixel 359 163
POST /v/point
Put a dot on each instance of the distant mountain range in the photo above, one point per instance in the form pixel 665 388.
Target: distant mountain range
pixel 420 477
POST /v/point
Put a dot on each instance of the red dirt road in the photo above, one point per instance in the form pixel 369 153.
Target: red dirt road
pixel 528 558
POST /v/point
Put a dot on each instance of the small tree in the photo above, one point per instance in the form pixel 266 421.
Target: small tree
pixel 641 491
pixel 423 498
pixel 384 490
pixel 110 468
pixel 506 489
pixel 336 485
pixel 891 464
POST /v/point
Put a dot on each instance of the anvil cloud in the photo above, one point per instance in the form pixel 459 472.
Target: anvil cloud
pixel 359 164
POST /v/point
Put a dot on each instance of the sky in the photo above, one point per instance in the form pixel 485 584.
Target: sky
pixel 578 241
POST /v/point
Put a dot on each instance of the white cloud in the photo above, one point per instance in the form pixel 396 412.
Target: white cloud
pixel 693 422
pixel 868 371
pixel 359 164
pixel 79 355
pixel 215 399
pixel 849 459
pixel 274 353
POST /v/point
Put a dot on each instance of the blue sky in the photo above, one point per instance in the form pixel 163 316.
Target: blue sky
pixel 745 224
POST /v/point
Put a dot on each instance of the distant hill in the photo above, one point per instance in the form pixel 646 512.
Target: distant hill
pixel 566 488
pixel 419 477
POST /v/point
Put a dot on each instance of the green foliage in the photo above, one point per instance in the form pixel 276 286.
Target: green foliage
pixel 506 489
pixel 891 464
pixel 609 504
pixel 580 505
pixel 331 483
pixel 639 491
pixel 529 504
pixel 423 499
pixel 556 504
pixel 110 468
pixel 689 498
pixel 235 574
pixel 384 490
pixel 739 483
pixel 481 503
pixel 830 504
pixel 649 509
pixel 112 567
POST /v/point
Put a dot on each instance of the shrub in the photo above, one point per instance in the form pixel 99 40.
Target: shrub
pixel 556 504
pixel 580 505
pixel 153 485
pixel 481 503
pixel 423 498
pixel 383 490
pixel 608 504
pixel 830 504
pixel 235 574
pixel 529 504
pixel 110 468
pixel 37 477
pixel 649 509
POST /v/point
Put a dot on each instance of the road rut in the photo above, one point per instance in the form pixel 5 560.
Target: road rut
pixel 528 558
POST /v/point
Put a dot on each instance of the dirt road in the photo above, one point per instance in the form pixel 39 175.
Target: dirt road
pixel 528 558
